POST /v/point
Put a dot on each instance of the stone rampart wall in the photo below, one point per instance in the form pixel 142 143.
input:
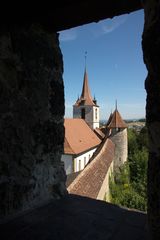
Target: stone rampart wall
pixel 31 122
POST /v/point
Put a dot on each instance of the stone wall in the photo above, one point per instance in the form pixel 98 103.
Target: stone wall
pixel 151 52
pixel 120 140
pixel 104 193
pixel 31 122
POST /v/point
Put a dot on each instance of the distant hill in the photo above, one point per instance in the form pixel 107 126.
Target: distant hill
pixel 135 120
pixel 143 120
pixel 136 124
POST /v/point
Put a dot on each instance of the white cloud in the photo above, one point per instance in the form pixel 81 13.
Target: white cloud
pixel 111 24
pixel 96 29
pixel 68 35
pixel 108 25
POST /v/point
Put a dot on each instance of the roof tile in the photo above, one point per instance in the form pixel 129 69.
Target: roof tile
pixel 85 98
pixel 116 121
pixel 88 183
pixel 79 137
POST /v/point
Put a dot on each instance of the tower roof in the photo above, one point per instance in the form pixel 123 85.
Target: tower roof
pixel 109 119
pixel 116 121
pixel 85 98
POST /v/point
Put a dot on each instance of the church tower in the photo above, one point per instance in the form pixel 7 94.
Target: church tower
pixel 117 129
pixel 86 107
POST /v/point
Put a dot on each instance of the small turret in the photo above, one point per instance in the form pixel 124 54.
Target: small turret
pixel 94 100
pixel 118 133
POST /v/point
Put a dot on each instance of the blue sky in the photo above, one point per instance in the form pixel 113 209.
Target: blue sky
pixel 114 64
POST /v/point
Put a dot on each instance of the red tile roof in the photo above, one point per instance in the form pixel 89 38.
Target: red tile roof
pixel 67 147
pixel 71 177
pixel 116 121
pixel 79 137
pixel 85 98
pixel 88 183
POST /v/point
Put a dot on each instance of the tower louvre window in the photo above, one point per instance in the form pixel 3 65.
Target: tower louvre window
pixel 96 113
pixel 83 113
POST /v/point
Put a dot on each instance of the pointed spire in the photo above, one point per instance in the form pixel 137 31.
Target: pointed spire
pixel 85 95
pixel 116 120
pixel 85 98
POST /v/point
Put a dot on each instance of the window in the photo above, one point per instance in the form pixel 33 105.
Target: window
pixel 118 129
pixel 96 113
pixel 79 165
pixel 83 113
pixel 84 161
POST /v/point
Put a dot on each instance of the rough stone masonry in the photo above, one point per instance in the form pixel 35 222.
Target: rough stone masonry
pixel 31 118
pixel 151 52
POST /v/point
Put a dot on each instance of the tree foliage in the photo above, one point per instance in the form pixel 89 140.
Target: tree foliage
pixel 129 185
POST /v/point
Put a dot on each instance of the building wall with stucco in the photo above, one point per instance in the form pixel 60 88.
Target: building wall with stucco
pixel 76 163
pixel 91 114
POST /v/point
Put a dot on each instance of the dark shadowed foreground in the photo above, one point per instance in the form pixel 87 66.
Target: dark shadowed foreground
pixel 75 217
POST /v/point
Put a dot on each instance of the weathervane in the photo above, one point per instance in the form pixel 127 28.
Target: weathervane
pixel 85 57
pixel 116 104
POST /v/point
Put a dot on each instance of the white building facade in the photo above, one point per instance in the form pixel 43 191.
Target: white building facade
pixel 76 163
pixel 79 145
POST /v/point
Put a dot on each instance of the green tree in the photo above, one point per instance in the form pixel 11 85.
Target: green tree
pixel 142 138
pixel 129 185
pixel 138 165
pixel 127 196
pixel 132 141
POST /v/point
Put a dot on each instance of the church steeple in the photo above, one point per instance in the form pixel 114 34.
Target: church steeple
pixel 86 107
pixel 85 98
pixel 86 95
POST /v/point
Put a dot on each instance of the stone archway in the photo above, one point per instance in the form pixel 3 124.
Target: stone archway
pixel 26 121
